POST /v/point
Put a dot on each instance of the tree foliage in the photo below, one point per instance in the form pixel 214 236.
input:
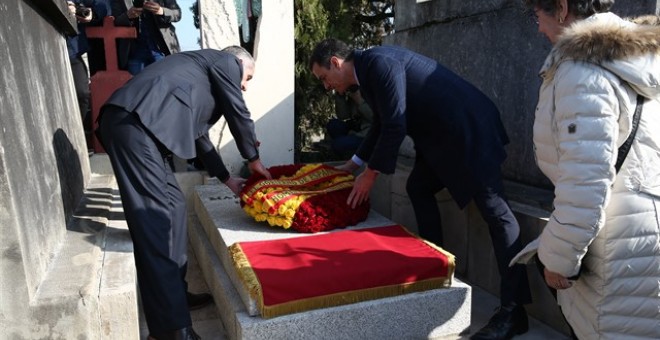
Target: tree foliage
pixel 360 23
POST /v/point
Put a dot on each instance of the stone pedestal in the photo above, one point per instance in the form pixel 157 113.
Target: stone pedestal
pixel 220 222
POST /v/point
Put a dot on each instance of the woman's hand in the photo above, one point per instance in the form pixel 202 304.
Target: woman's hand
pixel 555 280
pixel 134 12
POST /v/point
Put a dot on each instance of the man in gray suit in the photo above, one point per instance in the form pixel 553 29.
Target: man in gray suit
pixel 167 110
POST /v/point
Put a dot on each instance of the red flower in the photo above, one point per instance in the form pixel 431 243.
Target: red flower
pixel 317 213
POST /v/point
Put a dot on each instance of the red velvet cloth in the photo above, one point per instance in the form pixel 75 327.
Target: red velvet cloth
pixel 343 261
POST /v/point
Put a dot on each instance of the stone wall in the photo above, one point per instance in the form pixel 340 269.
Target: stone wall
pixel 43 155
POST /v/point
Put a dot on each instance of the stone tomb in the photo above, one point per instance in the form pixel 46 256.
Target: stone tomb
pixel 219 222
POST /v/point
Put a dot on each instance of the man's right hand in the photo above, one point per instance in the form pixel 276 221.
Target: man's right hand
pixel 256 167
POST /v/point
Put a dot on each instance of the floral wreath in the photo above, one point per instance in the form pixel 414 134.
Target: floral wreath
pixel 306 198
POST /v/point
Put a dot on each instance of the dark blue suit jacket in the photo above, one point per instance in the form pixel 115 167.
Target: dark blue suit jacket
pixel 456 129
pixel 179 98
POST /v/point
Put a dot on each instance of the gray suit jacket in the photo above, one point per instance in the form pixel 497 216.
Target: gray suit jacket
pixel 179 98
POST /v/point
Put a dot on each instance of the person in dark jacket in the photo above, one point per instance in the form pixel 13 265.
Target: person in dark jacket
pixel 459 143
pixel 165 110
pixel 86 12
pixel 156 33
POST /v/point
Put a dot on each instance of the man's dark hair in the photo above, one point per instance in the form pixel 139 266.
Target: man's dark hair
pixel 327 49
pixel 579 8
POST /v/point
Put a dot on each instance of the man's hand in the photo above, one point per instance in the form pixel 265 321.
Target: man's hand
pixel 235 184
pixel 153 7
pixel 134 12
pixel 362 187
pixel 349 166
pixel 256 167
pixel 86 19
pixel 72 7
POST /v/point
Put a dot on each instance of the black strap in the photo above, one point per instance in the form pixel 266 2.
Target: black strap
pixel 623 149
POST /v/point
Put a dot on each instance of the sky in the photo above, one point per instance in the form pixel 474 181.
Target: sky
pixel 185 29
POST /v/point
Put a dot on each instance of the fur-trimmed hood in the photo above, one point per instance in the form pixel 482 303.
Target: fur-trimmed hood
pixel 628 48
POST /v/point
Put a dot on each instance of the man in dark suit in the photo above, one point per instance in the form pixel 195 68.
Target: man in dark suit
pixel 459 143
pixel 166 110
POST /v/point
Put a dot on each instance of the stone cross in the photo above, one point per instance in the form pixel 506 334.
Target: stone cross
pixel 104 83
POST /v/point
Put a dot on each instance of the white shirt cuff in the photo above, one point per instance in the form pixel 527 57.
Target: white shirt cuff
pixel 357 160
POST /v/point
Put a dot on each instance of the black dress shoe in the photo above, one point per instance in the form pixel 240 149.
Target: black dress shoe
pixel 197 301
pixel 180 334
pixel 505 324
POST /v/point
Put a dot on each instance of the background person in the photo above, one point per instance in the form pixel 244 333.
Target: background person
pixel 604 226
pixel 163 111
pixel 353 121
pixel 459 143
pixel 86 12
pixel 156 33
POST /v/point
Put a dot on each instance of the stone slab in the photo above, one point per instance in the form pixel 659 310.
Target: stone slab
pixel 433 314
pixel 221 222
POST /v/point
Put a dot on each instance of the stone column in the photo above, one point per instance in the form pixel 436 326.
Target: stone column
pixel 218 23
pixel 270 93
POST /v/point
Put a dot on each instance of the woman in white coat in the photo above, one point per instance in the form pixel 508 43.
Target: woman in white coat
pixel 605 224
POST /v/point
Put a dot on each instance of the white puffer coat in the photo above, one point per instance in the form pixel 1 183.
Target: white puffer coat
pixel 604 223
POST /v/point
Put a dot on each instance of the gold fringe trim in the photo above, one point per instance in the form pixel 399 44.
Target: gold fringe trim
pixel 246 273
pixel 253 286
pixel 354 296
pixel 451 259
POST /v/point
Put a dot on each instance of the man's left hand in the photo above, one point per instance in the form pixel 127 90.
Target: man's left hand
pixel 556 280
pixel 235 184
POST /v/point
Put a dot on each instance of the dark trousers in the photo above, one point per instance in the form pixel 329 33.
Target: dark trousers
pixel 81 83
pixel 155 212
pixel 503 227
